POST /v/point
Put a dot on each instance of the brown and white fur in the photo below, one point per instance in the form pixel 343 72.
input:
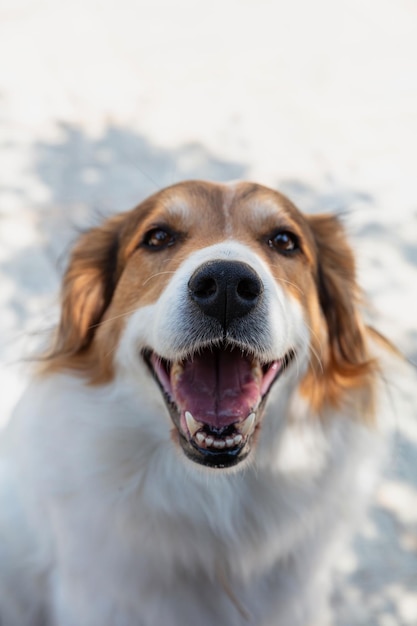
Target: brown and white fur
pixel 226 303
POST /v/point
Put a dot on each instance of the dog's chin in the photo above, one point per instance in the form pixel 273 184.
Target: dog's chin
pixel 216 398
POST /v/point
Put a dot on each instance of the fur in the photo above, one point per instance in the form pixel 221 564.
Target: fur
pixel 103 518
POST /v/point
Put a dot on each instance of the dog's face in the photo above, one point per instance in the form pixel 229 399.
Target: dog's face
pixel 219 291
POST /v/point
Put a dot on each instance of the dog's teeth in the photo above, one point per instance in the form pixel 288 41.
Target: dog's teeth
pixel 176 371
pixel 246 426
pixel 200 437
pixel 209 441
pixel 256 371
pixel 192 424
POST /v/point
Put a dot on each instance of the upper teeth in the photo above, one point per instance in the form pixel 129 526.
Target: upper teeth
pixel 244 429
pixel 176 371
pixel 256 371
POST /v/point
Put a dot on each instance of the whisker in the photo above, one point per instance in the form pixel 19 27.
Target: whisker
pixel 115 317
pixel 111 319
pixel 157 274
pixel 316 353
pixel 288 282
pixel 112 351
pixel 318 358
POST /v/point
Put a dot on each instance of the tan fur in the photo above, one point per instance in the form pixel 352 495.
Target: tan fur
pixel 347 364
pixel 109 275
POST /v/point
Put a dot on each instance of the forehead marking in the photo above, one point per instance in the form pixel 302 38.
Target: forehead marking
pixel 229 195
pixel 265 208
pixel 178 207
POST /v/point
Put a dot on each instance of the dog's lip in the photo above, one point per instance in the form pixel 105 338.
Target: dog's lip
pixel 228 442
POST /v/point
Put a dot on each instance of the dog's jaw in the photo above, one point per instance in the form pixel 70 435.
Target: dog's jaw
pixel 216 399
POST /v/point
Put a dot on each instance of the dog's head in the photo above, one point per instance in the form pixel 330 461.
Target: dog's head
pixel 222 293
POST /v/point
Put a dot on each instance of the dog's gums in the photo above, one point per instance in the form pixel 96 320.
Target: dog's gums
pixel 215 399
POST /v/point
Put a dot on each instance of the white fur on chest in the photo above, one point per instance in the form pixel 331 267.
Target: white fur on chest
pixel 124 520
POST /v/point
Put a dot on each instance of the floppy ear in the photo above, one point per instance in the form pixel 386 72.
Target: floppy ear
pixel 348 362
pixel 88 287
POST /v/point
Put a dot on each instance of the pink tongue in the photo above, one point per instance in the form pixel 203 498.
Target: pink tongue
pixel 217 387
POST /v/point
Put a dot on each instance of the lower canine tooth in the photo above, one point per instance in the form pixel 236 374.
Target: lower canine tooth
pixel 246 426
pixel 237 439
pixel 192 424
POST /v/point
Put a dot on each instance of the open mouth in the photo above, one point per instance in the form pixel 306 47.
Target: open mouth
pixel 215 398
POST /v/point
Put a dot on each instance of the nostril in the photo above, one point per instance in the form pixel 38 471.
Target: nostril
pixel 249 289
pixel 205 287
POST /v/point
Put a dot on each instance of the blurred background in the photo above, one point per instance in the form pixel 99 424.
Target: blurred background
pixel 103 102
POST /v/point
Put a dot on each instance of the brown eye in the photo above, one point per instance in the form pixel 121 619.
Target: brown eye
pixel 158 239
pixel 284 242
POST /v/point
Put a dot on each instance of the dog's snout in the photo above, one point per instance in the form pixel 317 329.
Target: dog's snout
pixel 225 290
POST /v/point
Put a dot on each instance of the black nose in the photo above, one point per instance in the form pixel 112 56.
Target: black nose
pixel 225 290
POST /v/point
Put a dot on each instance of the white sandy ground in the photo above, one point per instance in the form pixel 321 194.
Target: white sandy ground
pixel 103 102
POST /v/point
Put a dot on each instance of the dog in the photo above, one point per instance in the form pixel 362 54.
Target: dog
pixel 203 433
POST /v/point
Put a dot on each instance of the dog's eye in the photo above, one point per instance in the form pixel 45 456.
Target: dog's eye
pixel 158 239
pixel 284 241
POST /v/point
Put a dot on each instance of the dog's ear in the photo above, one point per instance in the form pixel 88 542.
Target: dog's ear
pixel 88 286
pixel 339 296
